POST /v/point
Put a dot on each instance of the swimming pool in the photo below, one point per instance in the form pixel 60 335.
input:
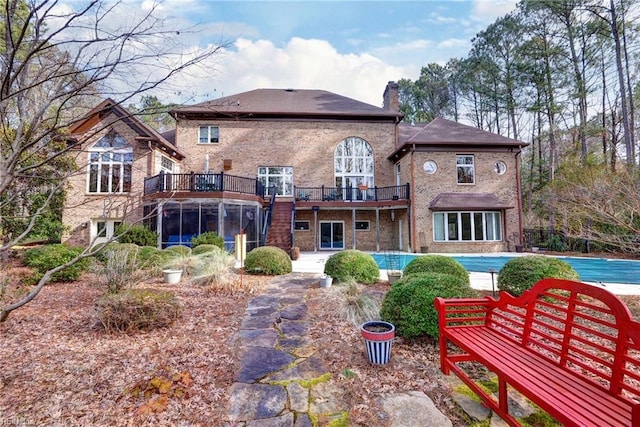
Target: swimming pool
pixel 590 269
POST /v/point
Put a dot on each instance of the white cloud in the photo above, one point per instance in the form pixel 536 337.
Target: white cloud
pixel 300 64
pixel 489 10
pixel 454 44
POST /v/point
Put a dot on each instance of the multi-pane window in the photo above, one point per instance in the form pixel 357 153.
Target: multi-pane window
pixel 353 163
pixel 466 226
pixel 280 178
pixel 110 164
pixel 209 134
pixel 465 169
pixel 166 164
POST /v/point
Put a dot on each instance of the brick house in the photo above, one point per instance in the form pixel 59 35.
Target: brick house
pixel 303 168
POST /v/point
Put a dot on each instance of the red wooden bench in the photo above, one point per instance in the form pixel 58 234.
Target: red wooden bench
pixel 571 348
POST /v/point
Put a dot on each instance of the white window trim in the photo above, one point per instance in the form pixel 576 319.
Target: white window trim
pixel 100 151
pixel 464 165
pixel 473 239
pixel 308 225
pixel 286 190
pixel 363 221
pixel 357 178
pixel 209 128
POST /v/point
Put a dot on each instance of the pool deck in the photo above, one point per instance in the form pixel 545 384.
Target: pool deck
pixel 313 262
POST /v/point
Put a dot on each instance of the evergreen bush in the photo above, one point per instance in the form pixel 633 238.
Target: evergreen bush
pixel 179 250
pixel 268 260
pixel 136 234
pixel 409 303
pixel 436 264
pixel 152 258
pixel 521 273
pixel 208 238
pixel 46 257
pixel 352 264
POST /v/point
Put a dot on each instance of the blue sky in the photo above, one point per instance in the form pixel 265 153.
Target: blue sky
pixel 351 48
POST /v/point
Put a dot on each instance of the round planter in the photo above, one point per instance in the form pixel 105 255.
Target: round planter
pixel 326 281
pixel 378 338
pixel 172 276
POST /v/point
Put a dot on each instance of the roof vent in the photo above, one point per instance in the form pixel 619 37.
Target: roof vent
pixel 290 89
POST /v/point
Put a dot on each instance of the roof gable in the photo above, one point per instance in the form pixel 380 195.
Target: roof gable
pixel 144 131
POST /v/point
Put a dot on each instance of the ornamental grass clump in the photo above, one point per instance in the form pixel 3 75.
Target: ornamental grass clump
pixel 214 268
pixel 119 270
pixel 354 305
pixel 409 303
pixel 436 264
pixel 137 309
pixel 268 260
pixel 352 264
pixel 520 273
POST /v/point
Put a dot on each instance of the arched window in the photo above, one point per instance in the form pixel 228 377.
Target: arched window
pixel 110 162
pixel 353 160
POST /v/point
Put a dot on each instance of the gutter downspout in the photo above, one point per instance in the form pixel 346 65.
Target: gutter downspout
pixel 412 224
pixel 519 195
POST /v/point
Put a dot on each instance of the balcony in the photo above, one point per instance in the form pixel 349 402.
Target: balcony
pixel 198 184
pixel 396 193
pixel 202 182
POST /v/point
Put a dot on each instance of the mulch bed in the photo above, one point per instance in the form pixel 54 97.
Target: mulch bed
pixel 58 368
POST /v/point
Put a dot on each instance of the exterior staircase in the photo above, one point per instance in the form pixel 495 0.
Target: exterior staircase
pixel 279 233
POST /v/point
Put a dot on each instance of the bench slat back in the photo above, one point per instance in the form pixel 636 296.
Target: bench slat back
pixel 582 328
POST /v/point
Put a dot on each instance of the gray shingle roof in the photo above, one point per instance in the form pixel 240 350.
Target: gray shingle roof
pixel 471 201
pixel 446 132
pixel 286 102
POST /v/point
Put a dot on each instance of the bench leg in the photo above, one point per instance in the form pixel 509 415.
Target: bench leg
pixel 503 399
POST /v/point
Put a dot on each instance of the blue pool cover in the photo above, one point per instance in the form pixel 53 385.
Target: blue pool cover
pixel 590 269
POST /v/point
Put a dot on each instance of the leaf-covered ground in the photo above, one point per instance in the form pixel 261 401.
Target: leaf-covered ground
pixel 58 369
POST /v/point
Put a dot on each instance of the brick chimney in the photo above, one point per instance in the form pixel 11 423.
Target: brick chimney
pixel 390 97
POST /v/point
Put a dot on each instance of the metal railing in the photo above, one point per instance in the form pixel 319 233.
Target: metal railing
pixel 200 182
pixel 324 194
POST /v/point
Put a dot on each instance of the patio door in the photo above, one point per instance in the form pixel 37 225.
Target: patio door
pixel 331 235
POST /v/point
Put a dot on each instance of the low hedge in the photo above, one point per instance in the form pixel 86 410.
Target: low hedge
pixel 352 264
pixel 409 302
pixel 521 273
pixel 436 264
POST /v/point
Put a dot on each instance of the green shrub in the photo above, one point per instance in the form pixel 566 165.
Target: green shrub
pixel 45 258
pixel 179 250
pixel 352 264
pixel 152 258
pixel 267 260
pixel 137 309
pixel 409 303
pixel 436 264
pixel 208 238
pixel 200 249
pixel 136 234
pixel 521 273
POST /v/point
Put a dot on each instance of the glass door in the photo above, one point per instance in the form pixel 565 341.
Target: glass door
pixel 331 235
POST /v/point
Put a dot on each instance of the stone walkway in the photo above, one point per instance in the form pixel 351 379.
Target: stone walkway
pixel 282 383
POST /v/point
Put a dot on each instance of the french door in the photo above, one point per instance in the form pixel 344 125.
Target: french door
pixel 331 235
